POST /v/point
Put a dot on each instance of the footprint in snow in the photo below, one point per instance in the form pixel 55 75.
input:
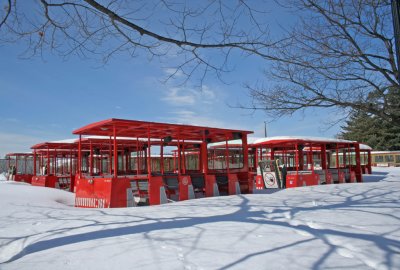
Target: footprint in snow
pixel 344 252
pixel 303 233
pixel 313 225
pixel 287 215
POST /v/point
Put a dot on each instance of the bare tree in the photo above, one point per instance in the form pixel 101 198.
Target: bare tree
pixel 196 37
pixel 338 55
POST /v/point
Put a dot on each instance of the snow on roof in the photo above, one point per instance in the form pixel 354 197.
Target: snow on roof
pixel 64 141
pixel 365 147
pixel 257 140
pixel 250 140
pixel 385 152
pixel 301 138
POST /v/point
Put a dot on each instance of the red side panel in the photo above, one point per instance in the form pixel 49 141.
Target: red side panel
pixel 210 182
pixel 329 179
pixel 251 178
pixel 232 182
pixel 342 177
pixel 246 182
pixel 293 180
pixel 119 188
pixel 39 180
pixel 27 178
pixel 184 182
pixel 51 181
pixel 353 176
pixel 93 193
pixel 44 181
pixel 72 187
pixel 155 183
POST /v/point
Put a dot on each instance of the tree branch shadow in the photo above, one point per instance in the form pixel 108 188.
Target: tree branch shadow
pixel 245 213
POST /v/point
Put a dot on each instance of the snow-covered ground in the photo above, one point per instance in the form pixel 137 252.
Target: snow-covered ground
pixel 353 226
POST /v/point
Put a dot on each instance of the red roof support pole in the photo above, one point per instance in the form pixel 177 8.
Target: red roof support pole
pixel 174 161
pixel 255 158
pixel 137 157
pixel 323 158
pixel 337 160
pixel 358 163
pixel 162 157
pixel 301 158
pixel 200 160
pixel 34 162
pixel 184 158
pixel 245 153
pixel 204 155
pixel 148 152
pixel 62 163
pixel 349 160
pixel 80 156
pixel 297 159
pixel 179 154
pixel 312 158
pixel 16 164
pixel 115 152
pixel 127 157
pixel 226 155
pixel 25 157
pixel 91 158
pixel 70 162
pixel 101 160
pixel 48 160
pixel 54 161
pixel 40 161
pixel 110 156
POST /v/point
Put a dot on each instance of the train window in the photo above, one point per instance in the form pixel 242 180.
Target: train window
pixel 389 158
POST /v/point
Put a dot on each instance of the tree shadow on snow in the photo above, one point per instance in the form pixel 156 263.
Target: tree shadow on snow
pixel 374 177
pixel 246 213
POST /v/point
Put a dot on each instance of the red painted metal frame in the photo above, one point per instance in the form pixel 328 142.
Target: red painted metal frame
pixel 366 168
pixel 303 177
pixel 114 191
pixel 20 176
pixel 52 175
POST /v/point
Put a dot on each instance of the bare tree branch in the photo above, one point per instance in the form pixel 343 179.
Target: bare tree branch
pixel 338 54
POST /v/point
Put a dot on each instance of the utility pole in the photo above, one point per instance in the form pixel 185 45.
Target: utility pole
pixel 396 30
pixel 265 129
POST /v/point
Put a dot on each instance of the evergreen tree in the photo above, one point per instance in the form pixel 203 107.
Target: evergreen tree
pixel 371 130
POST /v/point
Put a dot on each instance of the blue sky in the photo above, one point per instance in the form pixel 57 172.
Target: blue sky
pixel 44 99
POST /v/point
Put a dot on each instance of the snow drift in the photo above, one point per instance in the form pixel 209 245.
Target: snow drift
pixel 354 226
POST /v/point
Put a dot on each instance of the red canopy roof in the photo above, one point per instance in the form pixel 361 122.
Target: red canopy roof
pixel 142 129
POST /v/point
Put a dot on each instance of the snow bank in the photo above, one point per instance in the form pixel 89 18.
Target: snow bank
pixel 352 226
pixel 3 176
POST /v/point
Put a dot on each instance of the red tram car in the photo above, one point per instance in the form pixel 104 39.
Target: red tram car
pixel 123 186
pixel 20 167
pixel 55 164
pixel 302 161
